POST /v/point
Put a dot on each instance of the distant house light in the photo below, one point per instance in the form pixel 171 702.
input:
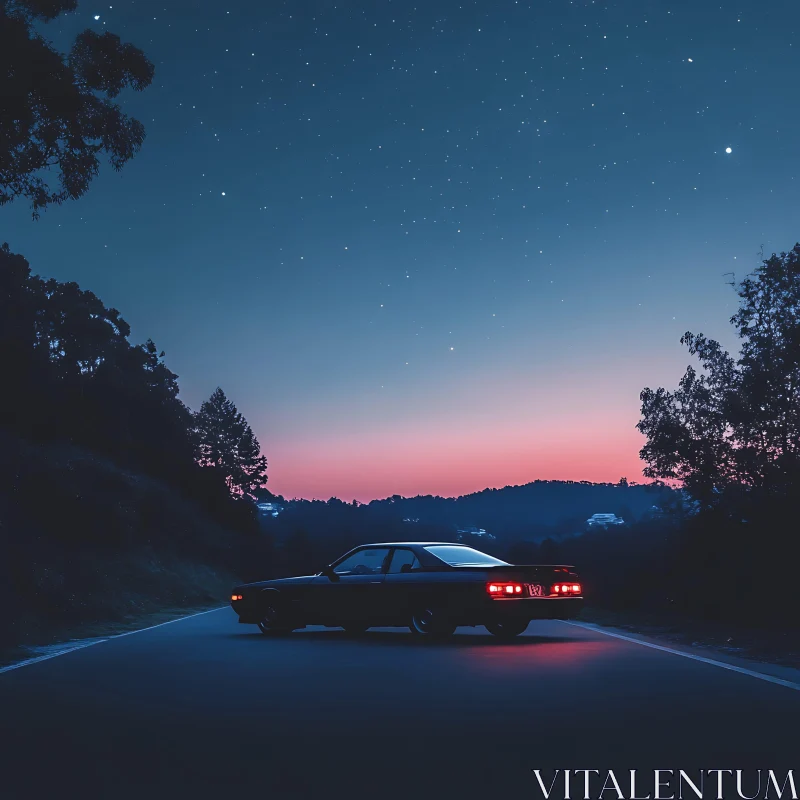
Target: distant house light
pixel 604 520
pixel 474 532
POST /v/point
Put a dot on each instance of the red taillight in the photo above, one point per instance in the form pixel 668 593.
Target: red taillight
pixel 566 588
pixel 236 597
pixel 503 589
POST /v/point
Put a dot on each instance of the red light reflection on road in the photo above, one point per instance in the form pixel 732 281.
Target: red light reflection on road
pixel 539 652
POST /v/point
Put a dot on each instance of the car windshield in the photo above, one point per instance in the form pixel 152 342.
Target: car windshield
pixel 457 556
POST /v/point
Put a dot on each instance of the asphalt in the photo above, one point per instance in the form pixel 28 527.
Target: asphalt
pixel 207 708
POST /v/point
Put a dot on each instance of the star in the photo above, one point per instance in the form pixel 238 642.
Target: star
pixel 728 150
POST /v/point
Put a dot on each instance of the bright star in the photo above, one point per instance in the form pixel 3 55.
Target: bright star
pixel 728 150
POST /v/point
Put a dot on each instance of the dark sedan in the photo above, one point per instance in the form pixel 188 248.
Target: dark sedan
pixel 431 587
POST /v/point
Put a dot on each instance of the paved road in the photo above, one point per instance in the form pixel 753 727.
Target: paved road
pixel 205 707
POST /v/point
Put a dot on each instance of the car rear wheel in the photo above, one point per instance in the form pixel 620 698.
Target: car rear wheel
pixel 507 629
pixel 273 620
pixel 431 622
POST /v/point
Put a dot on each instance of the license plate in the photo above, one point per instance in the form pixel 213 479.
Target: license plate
pixel 535 590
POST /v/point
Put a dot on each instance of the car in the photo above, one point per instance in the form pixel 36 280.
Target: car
pixel 431 587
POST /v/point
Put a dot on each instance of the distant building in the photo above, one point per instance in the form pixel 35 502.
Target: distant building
pixel 604 520
pixel 462 532
pixel 269 509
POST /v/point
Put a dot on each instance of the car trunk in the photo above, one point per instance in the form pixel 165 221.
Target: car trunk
pixel 531 573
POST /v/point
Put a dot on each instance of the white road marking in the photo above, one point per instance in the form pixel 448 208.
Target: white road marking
pixel 72 649
pixel 752 673
pixel 731 667
pixel 36 660
pixel 168 622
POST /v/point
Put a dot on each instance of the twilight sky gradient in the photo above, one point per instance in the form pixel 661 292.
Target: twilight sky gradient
pixel 435 249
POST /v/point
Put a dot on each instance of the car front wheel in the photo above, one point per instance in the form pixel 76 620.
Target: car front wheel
pixel 273 621
pixel 430 622
pixel 507 629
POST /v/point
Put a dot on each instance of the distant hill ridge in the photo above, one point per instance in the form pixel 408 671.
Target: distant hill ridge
pixel 537 507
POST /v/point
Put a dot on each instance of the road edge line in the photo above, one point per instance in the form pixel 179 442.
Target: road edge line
pixel 29 661
pixel 732 667
pixel 168 622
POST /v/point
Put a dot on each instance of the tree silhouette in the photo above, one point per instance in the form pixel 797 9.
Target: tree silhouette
pixel 73 374
pixel 226 442
pixel 733 430
pixel 57 110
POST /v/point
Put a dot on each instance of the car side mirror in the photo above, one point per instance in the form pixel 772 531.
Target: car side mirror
pixel 329 573
pixel 405 568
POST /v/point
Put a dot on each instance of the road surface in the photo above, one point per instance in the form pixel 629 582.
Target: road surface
pixel 207 708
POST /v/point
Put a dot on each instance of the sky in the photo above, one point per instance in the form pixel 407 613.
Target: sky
pixel 437 248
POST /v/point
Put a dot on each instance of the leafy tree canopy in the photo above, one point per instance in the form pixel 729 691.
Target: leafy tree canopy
pixel 56 110
pixel 733 428
pixel 70 371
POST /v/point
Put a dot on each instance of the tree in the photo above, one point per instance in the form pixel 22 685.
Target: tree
pixel 733 429
pixel 22 366
pixel 264 495
pixel 72 373
pixel 57 110
pixel 226 442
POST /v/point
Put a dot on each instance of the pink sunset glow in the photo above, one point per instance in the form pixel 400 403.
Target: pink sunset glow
pixel 450 433
pixel 456 459
pixel 326 474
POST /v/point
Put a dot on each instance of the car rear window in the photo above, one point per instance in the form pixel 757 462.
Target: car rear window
pixel 457 556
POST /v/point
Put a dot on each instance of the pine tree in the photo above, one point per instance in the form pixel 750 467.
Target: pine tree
pixel 227 443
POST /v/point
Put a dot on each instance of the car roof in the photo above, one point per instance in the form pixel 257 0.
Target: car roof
pixel 409 544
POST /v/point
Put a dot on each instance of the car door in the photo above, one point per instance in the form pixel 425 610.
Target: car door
pixel 404 584
pixel 353 592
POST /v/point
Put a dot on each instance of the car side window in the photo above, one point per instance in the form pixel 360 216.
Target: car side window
pixel 364 562
pixel 404 561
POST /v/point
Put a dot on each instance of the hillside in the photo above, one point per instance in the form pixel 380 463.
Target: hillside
pixel 84 540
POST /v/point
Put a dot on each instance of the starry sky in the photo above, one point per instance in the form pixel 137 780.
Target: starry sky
pixel 435 247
